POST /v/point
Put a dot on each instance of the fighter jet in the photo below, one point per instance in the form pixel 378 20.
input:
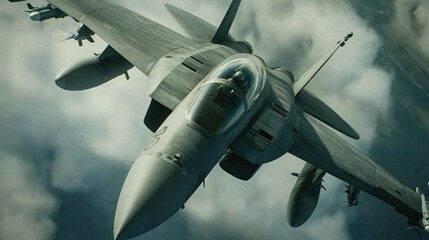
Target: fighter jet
pixel 215 102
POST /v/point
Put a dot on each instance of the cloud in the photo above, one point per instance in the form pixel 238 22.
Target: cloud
pixel 67 147
pixel 297 34
pixel 27 208
pixel 287 33
pixel 413 15
pixel 95 134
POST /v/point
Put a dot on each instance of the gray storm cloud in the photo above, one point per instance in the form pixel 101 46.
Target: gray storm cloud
pixel 26 207
pixel 96 128
pixel 53 138
pixel 306 30
pixel 414 16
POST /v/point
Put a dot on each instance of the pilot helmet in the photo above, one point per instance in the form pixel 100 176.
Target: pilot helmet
pixel 238 76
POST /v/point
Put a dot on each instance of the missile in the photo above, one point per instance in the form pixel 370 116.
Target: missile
pixel 92 72
pixel 44 13
pixel 304 196
pixel 352 195
pixel 83 33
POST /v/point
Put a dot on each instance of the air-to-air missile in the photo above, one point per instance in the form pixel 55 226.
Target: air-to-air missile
pixel 44 12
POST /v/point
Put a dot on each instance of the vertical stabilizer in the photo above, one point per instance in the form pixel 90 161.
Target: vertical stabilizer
pixel 221 34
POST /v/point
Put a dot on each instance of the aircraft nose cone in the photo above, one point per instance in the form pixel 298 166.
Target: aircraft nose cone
pixel 153 191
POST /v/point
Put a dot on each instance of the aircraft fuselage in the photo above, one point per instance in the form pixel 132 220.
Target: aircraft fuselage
pixel 189 143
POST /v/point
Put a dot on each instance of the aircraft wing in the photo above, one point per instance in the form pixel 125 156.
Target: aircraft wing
pixel 324 149
pixel 138 39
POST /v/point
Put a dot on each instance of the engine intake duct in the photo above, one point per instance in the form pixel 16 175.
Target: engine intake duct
pixel 238 166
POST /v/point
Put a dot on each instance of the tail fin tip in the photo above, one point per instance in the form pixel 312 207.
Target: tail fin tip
pixel 222 33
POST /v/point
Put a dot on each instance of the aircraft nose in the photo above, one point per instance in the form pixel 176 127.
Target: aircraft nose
pixel 153 191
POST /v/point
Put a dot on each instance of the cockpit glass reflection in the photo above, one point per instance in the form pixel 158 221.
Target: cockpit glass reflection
pixel 227 93
pixel 219 105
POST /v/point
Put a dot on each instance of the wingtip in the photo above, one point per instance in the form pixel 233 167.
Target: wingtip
pixel 168 6
pixel 356 136
pixel 352 133
pixel 349 132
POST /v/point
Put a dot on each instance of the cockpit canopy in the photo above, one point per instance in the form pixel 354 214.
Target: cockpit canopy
pixel 227 93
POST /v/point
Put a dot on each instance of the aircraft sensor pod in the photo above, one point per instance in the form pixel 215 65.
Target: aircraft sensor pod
pixel 91 72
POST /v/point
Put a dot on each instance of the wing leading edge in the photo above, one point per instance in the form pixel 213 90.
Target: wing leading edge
pixel 321 147
pixel 138 39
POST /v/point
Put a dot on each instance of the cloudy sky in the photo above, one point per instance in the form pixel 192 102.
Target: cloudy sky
pixel 64 155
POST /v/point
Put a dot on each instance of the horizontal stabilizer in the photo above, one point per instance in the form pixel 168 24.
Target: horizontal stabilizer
pixel 202 31
pixel 198 29
pixel 318 109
